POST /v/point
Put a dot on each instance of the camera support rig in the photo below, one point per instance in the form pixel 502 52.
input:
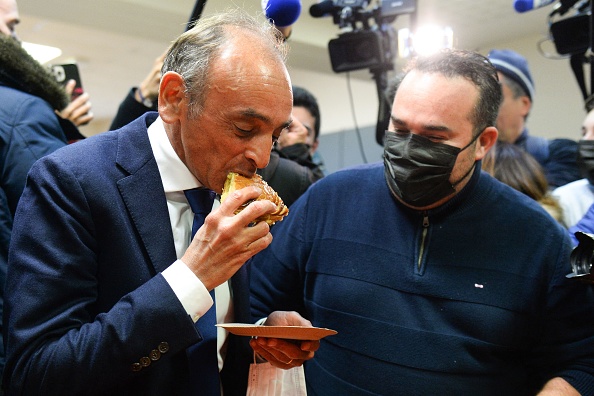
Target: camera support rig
pixel 368 42
pixel 573 36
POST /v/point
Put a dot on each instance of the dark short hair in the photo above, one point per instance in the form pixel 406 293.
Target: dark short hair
pixel 303 98
pixel 472 66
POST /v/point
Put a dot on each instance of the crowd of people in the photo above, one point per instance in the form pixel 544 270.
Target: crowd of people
pixel 443 268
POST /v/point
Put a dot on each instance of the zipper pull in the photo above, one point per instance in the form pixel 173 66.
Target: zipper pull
pixel 425 221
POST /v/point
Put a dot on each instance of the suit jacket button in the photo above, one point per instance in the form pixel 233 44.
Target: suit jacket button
pixel 145 361
pixel 163 347
pixel 136 367
pixel 155 354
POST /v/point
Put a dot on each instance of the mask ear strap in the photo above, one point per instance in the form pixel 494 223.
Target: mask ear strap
pixel 466 174
pixel 474 139
pixel 473 166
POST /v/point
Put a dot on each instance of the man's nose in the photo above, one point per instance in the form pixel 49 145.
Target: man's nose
pixel 259 151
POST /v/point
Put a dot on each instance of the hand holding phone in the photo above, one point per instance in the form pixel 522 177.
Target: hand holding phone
pixel 79 109
pixel 66 72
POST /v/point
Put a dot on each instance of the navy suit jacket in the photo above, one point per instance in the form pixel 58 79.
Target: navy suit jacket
pixel 88 310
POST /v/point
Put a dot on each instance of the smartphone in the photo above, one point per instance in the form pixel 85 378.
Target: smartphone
pixel 68 71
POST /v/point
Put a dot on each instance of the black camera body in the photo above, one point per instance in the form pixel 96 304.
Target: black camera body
pixel 581 258
pixel 572 35
pixel 370 43
pixel 367 49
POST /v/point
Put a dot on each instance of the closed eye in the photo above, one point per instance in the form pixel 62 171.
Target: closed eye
pixel 401 131
pixel 435 138
pixel 242 131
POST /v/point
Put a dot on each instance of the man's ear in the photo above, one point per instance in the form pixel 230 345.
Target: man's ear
pixel 172 96
pixel 486 141
pixel 526 105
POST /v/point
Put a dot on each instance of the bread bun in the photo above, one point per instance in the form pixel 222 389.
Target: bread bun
pixel 235 181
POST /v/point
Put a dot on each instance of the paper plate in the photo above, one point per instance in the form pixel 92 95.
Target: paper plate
pixel 288 332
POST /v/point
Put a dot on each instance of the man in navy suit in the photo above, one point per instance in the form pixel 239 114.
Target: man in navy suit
pixel 105 283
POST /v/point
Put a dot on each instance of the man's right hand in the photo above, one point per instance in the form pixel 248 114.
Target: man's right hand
pixel 296 133
pixel 225 242
pixel 79 110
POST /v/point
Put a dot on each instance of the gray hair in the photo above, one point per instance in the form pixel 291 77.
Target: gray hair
pixel 515 88
pixel 193 52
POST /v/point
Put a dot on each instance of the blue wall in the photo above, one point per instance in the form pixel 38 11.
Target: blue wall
pixel 341 150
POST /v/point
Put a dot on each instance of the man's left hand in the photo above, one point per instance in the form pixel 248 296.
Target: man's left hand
pixel 283 353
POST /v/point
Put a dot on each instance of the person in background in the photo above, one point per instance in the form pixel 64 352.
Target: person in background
pixel 556 156
pixel 140 99
pixel 291 169
pixel 297 145
pixel 36 118
pixel 515 167
pixel 576 197
pixel 437 277
pixel 106 293
pixel 585 224
pixel 289 178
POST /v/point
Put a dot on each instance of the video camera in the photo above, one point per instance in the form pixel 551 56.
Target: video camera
pixel 571 35
pixel 581 258
pixel 368 40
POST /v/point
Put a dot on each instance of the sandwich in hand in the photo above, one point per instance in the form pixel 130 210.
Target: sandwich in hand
pixel 235 181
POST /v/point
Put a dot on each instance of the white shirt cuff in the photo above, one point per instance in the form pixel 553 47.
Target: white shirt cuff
pixel 189 289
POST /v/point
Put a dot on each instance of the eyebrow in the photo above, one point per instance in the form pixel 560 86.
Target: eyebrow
pixel 251 113
pixel 437 128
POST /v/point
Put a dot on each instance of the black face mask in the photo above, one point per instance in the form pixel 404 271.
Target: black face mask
pixel 418 170
pixel 585 159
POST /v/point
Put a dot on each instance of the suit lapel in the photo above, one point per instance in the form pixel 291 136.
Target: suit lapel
pixel 143 195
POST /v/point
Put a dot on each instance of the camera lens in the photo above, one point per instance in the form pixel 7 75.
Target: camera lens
pixel 581 256
pixel 581 262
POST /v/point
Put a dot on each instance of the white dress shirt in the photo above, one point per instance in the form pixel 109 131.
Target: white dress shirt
pixel 190 291
pixel 575 199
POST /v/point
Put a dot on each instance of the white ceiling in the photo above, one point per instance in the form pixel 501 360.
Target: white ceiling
pixel 116 41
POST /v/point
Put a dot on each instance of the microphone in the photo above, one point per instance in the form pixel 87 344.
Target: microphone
pixel 527 5
pixel 321 9
pixel 282 13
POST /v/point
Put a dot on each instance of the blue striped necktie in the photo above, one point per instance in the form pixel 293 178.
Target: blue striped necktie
pixel 202 356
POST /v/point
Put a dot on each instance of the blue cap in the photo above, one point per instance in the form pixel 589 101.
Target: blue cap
pixel 514 66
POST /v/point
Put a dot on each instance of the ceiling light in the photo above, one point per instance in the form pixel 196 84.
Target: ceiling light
pixel 426 40
pixel 41 53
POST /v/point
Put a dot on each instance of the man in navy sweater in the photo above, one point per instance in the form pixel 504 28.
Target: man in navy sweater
pixel 438 278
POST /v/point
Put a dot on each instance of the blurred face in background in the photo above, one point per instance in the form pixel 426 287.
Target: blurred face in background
pixel 512 113
pixel 9 17
pixel 588 126
pixel 304 116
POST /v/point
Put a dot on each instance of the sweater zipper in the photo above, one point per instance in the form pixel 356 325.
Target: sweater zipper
pixel 423 237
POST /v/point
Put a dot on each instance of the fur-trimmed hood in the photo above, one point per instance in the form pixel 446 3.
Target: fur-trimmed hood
pixel 20 71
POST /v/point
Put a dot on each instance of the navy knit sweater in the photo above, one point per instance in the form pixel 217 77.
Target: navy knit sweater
pixel 468 299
